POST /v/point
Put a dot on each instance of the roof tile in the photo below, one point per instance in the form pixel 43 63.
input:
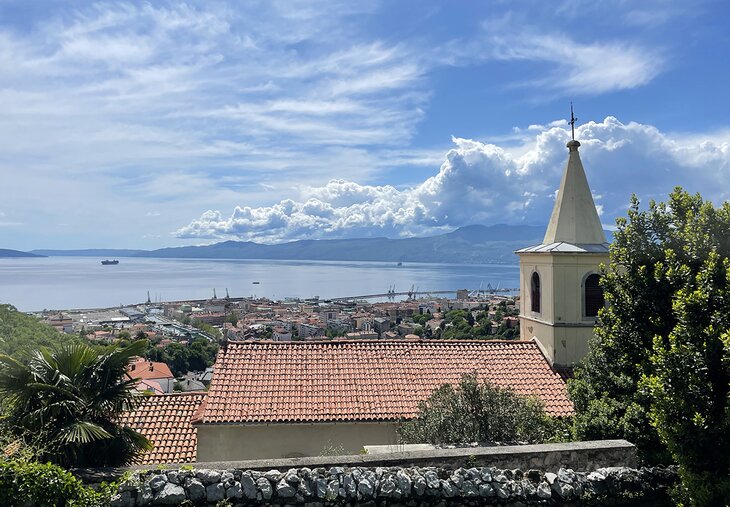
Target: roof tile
pixel 165 420
pixel 264 382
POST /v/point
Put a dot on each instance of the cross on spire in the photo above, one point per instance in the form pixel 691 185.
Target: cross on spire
pixel 572 121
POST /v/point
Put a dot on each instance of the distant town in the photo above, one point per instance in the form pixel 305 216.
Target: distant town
pixel 184 335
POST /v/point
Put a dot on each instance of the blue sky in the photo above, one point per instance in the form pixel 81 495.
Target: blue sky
pixel 130 124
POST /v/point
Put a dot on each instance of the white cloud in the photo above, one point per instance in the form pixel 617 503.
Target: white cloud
pixel 580 68
pixel 484 183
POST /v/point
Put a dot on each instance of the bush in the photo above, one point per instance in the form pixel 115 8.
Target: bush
pixel 480 412
pixel 29 484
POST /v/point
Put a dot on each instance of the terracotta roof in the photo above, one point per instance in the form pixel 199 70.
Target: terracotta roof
pixel 146 370
pixel 165 419
pixel 261 382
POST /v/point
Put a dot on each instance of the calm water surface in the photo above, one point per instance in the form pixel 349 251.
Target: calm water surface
pixel 82 282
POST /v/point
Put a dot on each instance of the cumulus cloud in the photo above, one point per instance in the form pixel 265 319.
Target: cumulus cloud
pixel 484 183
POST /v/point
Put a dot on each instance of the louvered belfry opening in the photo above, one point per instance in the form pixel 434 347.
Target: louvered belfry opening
pixel 593 295
pixel 535 292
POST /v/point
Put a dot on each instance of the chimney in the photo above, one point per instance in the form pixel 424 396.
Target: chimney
pixel 152 367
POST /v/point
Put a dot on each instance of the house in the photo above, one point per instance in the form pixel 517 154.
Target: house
pixel 151 374
pixel 290 399
pixel 362 335
pixel 61 322
pixel 280 334
pixel 166 421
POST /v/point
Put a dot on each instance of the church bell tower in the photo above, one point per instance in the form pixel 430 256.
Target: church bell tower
pixel 560 293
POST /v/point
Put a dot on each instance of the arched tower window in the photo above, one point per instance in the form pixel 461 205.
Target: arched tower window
pixel 535 292
pixel 593 295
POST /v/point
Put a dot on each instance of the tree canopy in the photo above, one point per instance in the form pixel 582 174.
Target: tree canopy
pixel 196 356
pixel 66 404
pixel 657 372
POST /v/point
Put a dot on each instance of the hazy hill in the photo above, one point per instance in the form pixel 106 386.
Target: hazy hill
pixel 471 244
pixel 88 252
pixel 4 252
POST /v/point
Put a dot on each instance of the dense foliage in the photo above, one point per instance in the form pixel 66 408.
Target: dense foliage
pixel 465 325
pixel 196 356
pixel 22 333
pixel 657 372
pixel 67 402
pixel 476 411
pixel 27 483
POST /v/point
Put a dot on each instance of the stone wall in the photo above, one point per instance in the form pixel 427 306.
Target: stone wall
pixel 412 486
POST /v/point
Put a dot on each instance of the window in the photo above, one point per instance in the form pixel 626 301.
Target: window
pixel 593 295
pixel 535 292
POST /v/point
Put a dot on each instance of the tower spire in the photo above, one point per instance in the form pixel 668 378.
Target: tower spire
pixel 574 219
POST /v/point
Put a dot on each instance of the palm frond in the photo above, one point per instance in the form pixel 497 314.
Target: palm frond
pixel 82 432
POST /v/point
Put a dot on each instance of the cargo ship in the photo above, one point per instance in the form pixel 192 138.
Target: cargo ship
pixel 109 263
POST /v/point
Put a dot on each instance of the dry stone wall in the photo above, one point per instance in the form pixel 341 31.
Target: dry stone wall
pixel 411 486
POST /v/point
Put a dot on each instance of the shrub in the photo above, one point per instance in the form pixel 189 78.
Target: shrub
pixel 479 412
pixel 30 484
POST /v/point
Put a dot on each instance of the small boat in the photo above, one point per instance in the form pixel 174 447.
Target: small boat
pixel 255 283
pixel 109 263
pixel 399 264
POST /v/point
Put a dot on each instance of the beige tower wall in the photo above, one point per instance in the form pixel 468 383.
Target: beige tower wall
pixel 561 327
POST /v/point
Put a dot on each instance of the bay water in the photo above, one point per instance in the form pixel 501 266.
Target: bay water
pixel 32 284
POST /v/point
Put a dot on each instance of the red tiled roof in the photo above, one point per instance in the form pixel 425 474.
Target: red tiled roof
pixel 261 382
pixel 146 370
pixel 165 419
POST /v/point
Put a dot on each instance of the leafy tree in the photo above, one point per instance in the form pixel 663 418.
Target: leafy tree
pixel 476 411
pixel 69 401
pixel 124 335
pixel 141 335
pixel 196 356
pixel 232 318
pixel 657 371
pixel 690 381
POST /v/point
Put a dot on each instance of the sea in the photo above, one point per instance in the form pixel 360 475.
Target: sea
pixel 55 283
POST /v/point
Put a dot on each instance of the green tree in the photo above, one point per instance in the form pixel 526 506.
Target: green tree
pixel 690 381
pixel 476 411
pixel 69 400
pixel 656 373
pixel 232 318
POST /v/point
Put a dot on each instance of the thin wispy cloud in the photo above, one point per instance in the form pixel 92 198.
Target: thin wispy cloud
pixel 113 110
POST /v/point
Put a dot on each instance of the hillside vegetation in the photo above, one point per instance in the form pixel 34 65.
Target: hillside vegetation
pixel 20 332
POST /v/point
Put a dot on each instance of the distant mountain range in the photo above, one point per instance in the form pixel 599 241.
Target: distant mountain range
pixel 89 252
pixel 4 252
pixel 471 244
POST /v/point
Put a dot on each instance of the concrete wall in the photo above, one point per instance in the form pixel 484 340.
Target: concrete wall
pixel 561 326
pixel 222 442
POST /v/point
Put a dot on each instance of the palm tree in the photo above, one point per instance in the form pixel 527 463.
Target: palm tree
pixel 69 400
